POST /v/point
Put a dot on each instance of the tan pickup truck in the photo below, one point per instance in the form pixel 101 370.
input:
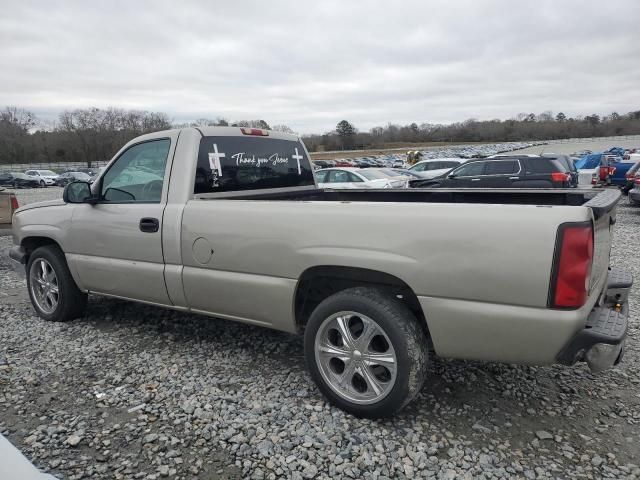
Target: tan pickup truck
pixel 8 205
pixel 229 222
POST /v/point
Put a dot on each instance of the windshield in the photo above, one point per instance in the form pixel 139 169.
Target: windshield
pixel 48 173
pixel 372 174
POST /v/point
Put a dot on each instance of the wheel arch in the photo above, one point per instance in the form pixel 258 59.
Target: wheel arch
pixel 31 243
pixel 319 282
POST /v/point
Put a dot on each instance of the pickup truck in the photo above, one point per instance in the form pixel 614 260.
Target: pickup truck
pixel 8 205
pixel 229 222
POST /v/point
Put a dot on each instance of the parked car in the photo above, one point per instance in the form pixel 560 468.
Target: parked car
pixel 374 286
pixel 45 177
pixel 342 162
pixel 356 178
pixel 630 177
pixel 621 166
pixel 68 177
pixel 594 169
pixel 397 174
pixel 568 163
pixel 8 205
pixel 634 193
pixel 19 180
pixel 357 162
pixel 436 167
pixel 504 172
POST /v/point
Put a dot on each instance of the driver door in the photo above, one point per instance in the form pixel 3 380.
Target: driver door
pixel 116 245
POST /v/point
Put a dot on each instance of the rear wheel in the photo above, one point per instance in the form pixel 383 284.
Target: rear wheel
pixel 366 352
pixel 53 292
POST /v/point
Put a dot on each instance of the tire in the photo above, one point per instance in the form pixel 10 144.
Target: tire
pixel 70 301
pixel 42 184
pixel 397 335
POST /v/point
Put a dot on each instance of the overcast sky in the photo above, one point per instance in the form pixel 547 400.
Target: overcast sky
pixel 309 64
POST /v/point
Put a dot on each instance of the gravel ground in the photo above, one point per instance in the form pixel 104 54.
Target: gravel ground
pixel 132 391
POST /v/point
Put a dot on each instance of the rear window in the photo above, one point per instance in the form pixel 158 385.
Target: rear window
pixel 250 163
pixel 544 165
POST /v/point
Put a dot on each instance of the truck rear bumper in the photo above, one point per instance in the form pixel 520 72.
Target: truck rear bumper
pixel 601 342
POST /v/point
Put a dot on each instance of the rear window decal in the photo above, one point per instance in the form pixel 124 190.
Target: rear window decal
pixel 214 160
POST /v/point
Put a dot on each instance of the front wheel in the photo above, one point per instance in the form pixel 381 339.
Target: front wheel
pixel 53 292
pixel 42 184
pixel 366 352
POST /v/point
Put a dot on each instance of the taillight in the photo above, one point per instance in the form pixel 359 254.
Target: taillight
pixel 594 179
pixel 637 180
pixel 14 202
pixel 560 177
pixel 572 269
pixel 612 170
pixel 255 131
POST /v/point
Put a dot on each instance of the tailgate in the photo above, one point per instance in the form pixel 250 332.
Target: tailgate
pixel 603 207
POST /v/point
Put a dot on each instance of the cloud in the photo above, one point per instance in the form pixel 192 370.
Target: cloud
pixel 310 64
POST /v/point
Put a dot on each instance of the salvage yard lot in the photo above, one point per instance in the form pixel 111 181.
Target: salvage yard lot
pixel 133 391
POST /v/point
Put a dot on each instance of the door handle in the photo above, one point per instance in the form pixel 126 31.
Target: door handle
pixel 149 225
pixel 514 178
pixel 475 179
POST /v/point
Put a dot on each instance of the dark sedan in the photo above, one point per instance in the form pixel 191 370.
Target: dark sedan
pixel 18 180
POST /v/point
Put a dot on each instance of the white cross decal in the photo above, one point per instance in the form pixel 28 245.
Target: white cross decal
pixel 298 157
pixel 214 160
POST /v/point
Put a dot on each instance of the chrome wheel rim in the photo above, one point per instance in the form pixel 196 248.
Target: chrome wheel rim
pixel 355 357
pixel 43 283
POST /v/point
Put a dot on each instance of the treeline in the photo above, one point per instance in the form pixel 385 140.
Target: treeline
pixel 82 135
pixel 87 135
pixel 93 134
pixel 525 126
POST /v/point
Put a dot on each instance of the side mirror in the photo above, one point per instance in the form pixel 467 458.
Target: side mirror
pixel 77 192
pixel 451 175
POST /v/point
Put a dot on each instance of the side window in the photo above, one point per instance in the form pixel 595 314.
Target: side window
pixel 506 167
pixel 138 174
pixel 420 167
pixel 321 176
pixel 339 176
pixel 469 169
pixel 544 165
pixel 354 178
pixel 449 164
